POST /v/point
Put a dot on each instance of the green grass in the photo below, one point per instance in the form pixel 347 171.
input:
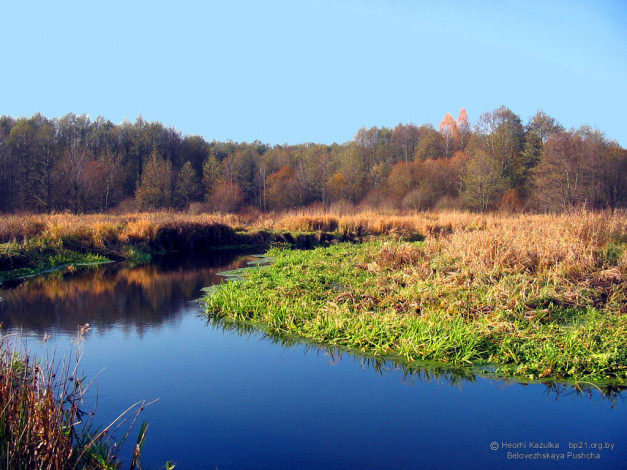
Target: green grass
pixel 389 300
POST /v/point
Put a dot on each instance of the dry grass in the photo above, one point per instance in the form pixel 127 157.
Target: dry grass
pixel 478 241
pixel 42 425
pixel 34 429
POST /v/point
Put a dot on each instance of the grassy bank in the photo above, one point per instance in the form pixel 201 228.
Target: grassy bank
pixel 530 296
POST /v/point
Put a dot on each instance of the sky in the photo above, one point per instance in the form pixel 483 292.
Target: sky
pixel 295 71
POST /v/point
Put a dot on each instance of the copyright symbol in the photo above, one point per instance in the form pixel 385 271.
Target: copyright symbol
pixel 494 445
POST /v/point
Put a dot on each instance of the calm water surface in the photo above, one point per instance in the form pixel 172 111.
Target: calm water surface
pixel 234 399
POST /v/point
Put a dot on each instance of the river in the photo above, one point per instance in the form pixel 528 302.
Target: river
pixel 232 398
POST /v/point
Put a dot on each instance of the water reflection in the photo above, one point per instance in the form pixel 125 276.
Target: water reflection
pixel 423 371
pixel 118 294
pixel 122 296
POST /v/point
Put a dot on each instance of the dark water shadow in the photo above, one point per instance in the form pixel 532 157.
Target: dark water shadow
pixel 425 371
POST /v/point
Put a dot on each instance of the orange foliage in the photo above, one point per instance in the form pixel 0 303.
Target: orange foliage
pixel 448 128
pixel 281 188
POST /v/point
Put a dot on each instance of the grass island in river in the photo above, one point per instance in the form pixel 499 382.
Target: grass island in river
pixel 541 300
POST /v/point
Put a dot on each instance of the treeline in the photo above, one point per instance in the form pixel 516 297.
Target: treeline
pixel 76 164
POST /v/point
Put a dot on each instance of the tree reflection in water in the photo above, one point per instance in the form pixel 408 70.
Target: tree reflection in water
pixel 137 297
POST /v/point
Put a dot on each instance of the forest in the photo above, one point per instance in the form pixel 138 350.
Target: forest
pixel 76 164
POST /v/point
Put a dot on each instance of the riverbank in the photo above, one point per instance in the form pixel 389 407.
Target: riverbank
pixel 539 297
pixel 36 244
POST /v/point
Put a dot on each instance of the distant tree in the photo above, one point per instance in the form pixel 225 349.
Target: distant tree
pixel 463 127
pixel 336 187
pixel 243 164
pixel 9 168
pixel 83 165
pixel 483 184
pixel 613 178
pixel 21 150
pixel 316 168
pixel 510 202
pixel 402 179
pixel 456 168
pixel 405 138
pixel 282 188
pixel 210 174
pixel 105 179
pixel 523 166
pixel 226 197
pixel 102 137
pixel 187 186
pixel 563 176
pixel 155 185
pixel 431 143
pixel 448 129
pixel 366 144
pixel 501 135
pixel 196 150
pixel 73 167
pixel 354 172
pixel 544 126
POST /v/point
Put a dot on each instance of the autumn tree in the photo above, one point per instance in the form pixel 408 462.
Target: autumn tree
pixel 243 164
pixel 21 148
pixel 483 183
pixel 523 167
pixel 544 126
pixel 105 177
pixel 8 168
pixel 402 179
pixel 83 165
pixel 211 174
pixel 154 190
pixel 463 128
pixel 405 138
pixel 563 176
pixel 281 189
pixel 187 186
pixel 196 150
pixel 73 170
pixel 316 167
pixel 366 144
pixel 226 197
pixel 448 129
pixel 501 135
pixel 349 181
pixel 430 145
pixel 613 178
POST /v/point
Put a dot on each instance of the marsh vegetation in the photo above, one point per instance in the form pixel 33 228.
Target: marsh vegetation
pixel 299 398
pixel 43 423
pixel 532 296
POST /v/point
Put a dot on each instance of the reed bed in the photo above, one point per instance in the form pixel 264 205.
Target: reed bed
pixel 101 230
pixel 25 239
pixel 42 425
pixel 534 295
pixel 37 243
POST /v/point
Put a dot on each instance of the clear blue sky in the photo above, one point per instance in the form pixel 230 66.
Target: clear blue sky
pixel 293 71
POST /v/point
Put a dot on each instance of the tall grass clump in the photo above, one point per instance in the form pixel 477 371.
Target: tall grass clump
pixel 42 424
